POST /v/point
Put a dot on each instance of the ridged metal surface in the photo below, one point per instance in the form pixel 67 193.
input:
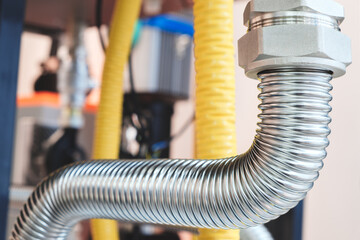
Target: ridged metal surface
pixel 292 17
pixel 239 192
pixel 174 65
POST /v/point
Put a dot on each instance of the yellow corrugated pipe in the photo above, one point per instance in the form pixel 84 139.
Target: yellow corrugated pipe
pixel 109 115
pixel 215 91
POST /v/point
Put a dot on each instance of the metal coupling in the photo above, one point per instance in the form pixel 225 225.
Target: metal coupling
pixel 294 34
pixel 73 77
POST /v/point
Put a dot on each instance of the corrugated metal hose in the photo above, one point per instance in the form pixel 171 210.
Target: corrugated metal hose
pixel 237 192
pixel 230 193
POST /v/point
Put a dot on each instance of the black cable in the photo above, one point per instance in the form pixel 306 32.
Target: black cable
pixel 98 22
pixel 133 93
pixel 159 146
pixel 131 75
pixel 184 127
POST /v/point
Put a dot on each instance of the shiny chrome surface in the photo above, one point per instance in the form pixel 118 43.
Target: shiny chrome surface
pixel 295 33
pixel 238 192
pixel 292 17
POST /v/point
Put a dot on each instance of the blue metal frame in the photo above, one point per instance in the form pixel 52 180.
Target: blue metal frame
pixel 288 226
pixel 11 25
pixel 298 221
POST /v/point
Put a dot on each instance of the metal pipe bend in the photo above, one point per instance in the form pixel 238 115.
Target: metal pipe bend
pixel 237 192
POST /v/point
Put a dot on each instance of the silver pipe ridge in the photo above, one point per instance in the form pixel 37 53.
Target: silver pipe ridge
pixel 237 192
pixel 292 17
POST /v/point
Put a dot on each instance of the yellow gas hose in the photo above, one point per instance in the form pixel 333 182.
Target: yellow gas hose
pixel 215 91
pixel 109 115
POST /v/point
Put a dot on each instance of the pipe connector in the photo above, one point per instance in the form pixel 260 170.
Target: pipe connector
pixel 297 33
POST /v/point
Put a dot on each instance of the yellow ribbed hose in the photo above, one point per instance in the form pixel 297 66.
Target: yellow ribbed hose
pixel 109 116
pixel 215 91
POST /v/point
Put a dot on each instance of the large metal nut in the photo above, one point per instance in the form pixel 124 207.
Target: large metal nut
pixel 325 7
pixel 297 45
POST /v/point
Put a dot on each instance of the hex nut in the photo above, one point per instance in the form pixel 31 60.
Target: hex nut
pixel 297 45
pixel 325 7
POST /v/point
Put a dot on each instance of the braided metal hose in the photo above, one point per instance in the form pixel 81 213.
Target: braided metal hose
pixel 238 192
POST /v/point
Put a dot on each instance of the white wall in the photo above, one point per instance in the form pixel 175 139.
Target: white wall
pixel 333 206
pixel 35 48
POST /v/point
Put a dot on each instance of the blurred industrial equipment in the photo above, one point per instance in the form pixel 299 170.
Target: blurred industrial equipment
pixel 158 76
pixel 50 127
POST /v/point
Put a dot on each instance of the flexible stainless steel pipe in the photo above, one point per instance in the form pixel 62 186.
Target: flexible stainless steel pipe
pixel 238 192
pixel 247 190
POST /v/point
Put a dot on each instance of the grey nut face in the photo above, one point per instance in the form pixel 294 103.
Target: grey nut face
pixel 325 7
pixel 297 45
